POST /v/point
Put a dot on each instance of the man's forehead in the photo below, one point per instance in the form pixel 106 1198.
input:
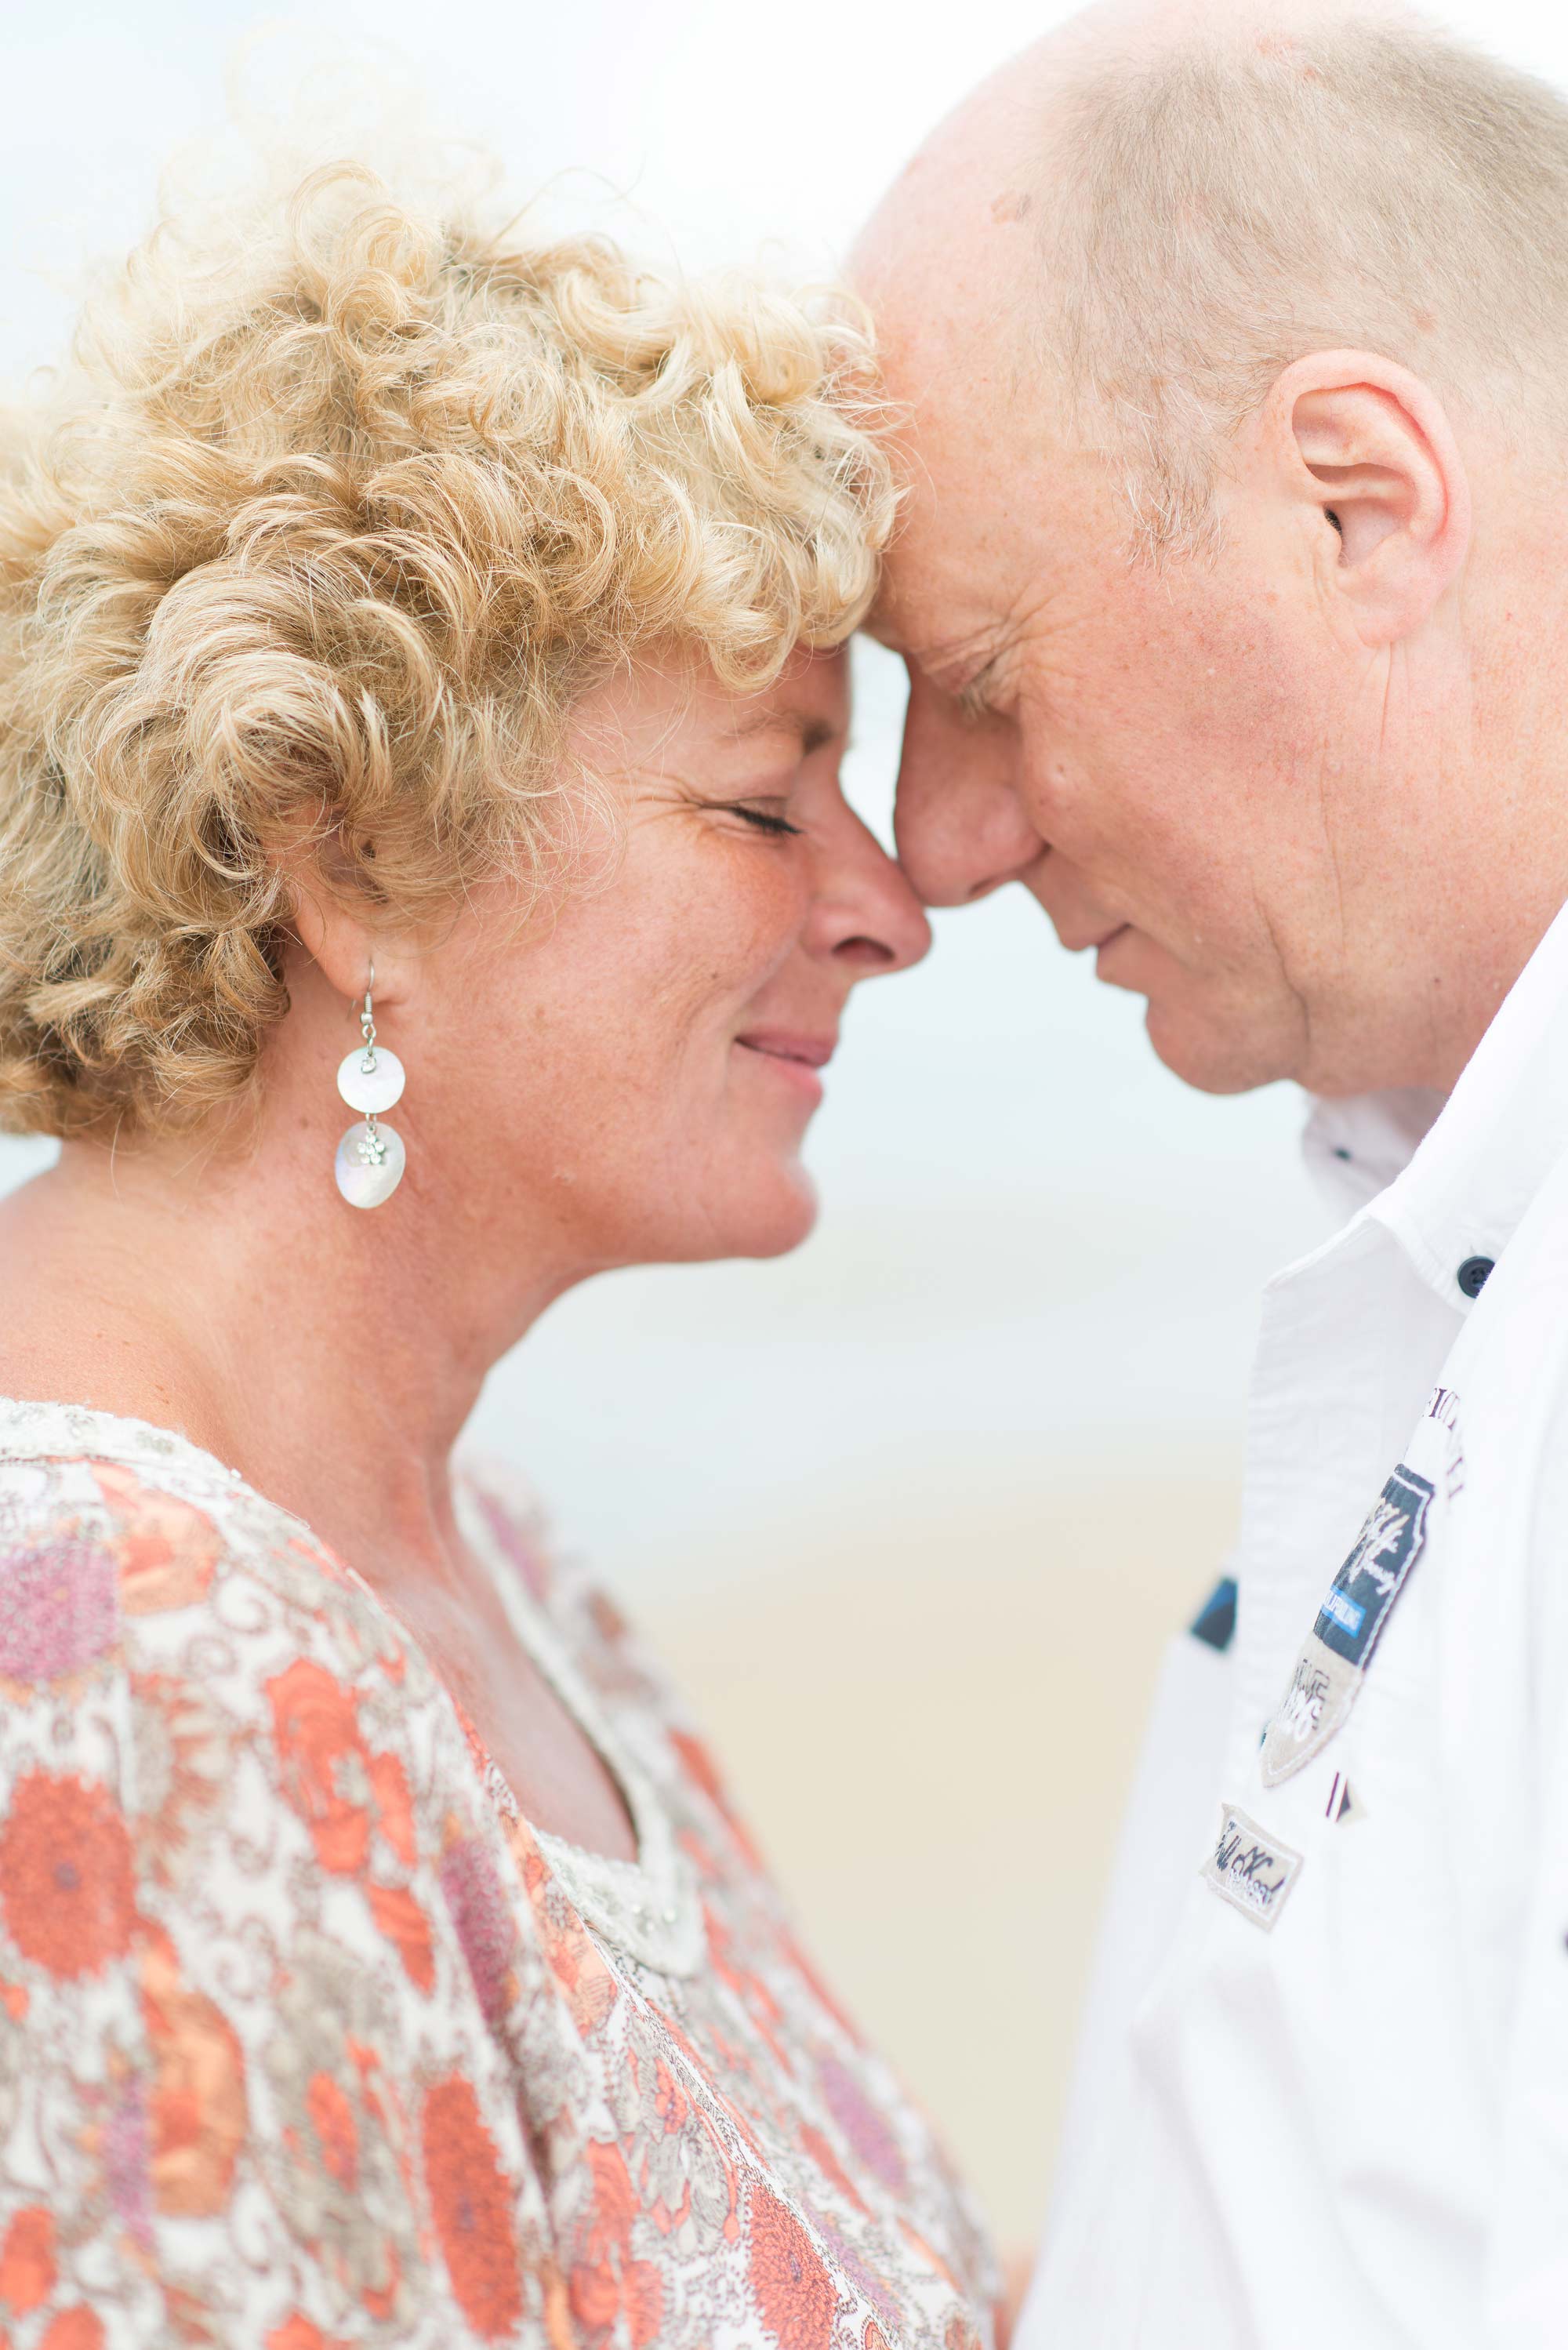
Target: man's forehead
pixel 982 474
pixel 948 576
pixel 935 273
pixel 950 268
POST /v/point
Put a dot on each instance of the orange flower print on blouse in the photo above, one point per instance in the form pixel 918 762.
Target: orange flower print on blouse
pixel 347 2183
pixel 794 2294
pixel 28 2269
pixel 569 1950
pixel 326 1765
pixel 67 1887
pixel 166 1550
pixel 183 1763
pixel 197 2114
pixel 73 2329
pixel 609 2289
pixel 472 2207
pixel 307 2038
pixel 298 2332
pixel 349 1796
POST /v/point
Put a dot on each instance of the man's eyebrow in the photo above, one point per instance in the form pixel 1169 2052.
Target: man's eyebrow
pixel 976 651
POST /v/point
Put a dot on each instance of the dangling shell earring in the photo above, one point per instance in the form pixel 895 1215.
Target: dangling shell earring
pixel 370 1158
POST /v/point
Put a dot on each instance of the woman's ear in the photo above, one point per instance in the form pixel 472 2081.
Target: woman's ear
pixel 1367 445
pixel 333 934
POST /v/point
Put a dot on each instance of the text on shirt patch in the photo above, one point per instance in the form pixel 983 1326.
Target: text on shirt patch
pixel 1443 1405
pixel 1333 1659
pixel 1251 1870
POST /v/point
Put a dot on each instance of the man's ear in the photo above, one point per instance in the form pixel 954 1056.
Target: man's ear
pixel 1370 449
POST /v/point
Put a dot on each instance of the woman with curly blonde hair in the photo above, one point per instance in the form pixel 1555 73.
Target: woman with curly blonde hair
pixel 424 883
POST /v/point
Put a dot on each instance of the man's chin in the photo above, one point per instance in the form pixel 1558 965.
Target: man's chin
pixel 1210 1058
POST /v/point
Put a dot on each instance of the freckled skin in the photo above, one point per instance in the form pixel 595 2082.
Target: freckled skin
pixel 631 1095
pixel 1328 839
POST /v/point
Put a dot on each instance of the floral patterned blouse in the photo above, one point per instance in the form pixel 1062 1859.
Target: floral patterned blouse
pixel 307 2039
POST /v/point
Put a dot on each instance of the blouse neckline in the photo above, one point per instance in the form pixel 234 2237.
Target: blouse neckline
pixel 647 1908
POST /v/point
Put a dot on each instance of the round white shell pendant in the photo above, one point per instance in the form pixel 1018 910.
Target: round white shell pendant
pixel 369 1167
pixel 370 1079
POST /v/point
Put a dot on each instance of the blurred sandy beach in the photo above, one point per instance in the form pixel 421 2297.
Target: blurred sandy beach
pixel 931 1723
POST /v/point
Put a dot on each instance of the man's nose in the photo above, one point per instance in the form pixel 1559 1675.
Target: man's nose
pixel 960 824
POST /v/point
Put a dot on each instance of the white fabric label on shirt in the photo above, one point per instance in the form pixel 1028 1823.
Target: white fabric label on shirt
pixel 1323 1690
pixel 1251 1868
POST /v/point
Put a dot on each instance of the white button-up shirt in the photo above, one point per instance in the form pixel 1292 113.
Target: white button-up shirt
pixel 1322 2096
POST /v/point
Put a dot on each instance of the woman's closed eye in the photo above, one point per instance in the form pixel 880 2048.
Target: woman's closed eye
pixel 765 818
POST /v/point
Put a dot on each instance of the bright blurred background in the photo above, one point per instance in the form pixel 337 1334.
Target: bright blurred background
pixel 912 1513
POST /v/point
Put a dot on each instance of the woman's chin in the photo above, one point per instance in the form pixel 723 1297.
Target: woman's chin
pixel 766 1217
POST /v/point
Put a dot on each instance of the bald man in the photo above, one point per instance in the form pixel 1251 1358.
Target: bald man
pixel 1233 593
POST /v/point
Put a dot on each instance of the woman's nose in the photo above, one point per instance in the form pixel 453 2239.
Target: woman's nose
pixel 865 916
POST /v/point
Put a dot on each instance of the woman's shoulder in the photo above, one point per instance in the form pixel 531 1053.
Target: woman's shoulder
pixel 191 1681
pixel 127 1556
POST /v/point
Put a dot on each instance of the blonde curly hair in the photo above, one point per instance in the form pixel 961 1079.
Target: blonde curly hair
pixel 335 517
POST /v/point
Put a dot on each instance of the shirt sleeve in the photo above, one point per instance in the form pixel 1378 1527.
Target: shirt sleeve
pixel 1528 2266
pixel 250 2094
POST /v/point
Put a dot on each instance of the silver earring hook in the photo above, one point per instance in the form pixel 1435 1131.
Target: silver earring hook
pixel 367 1023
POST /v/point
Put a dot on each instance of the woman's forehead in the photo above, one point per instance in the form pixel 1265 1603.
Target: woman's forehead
pixel 660 705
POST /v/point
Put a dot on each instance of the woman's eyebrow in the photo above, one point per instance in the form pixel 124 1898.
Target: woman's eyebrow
pixel 812 730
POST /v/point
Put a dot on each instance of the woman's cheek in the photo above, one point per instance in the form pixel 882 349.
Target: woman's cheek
pixel 771 896
pixel 737 924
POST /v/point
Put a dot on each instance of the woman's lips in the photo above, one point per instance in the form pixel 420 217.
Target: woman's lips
pixel 797 1058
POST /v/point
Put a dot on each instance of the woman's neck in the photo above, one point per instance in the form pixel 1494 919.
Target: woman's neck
pixel 331 1355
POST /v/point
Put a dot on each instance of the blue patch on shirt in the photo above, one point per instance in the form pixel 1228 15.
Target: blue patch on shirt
pixel 1370 1581
pixel 1215 1622
pixel 1344 1612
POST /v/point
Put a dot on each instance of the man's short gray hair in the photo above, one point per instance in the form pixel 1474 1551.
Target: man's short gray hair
pixel 1226 206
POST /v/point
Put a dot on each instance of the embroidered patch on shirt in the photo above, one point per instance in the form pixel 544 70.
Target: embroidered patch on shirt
pixel 1251 1870
pixel 1328 1672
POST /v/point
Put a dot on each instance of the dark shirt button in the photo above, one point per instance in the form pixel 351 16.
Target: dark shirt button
pixel 1340 1152
pixel 1472 1275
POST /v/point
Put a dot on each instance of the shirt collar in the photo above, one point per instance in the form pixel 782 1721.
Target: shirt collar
pixel 1452 1179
